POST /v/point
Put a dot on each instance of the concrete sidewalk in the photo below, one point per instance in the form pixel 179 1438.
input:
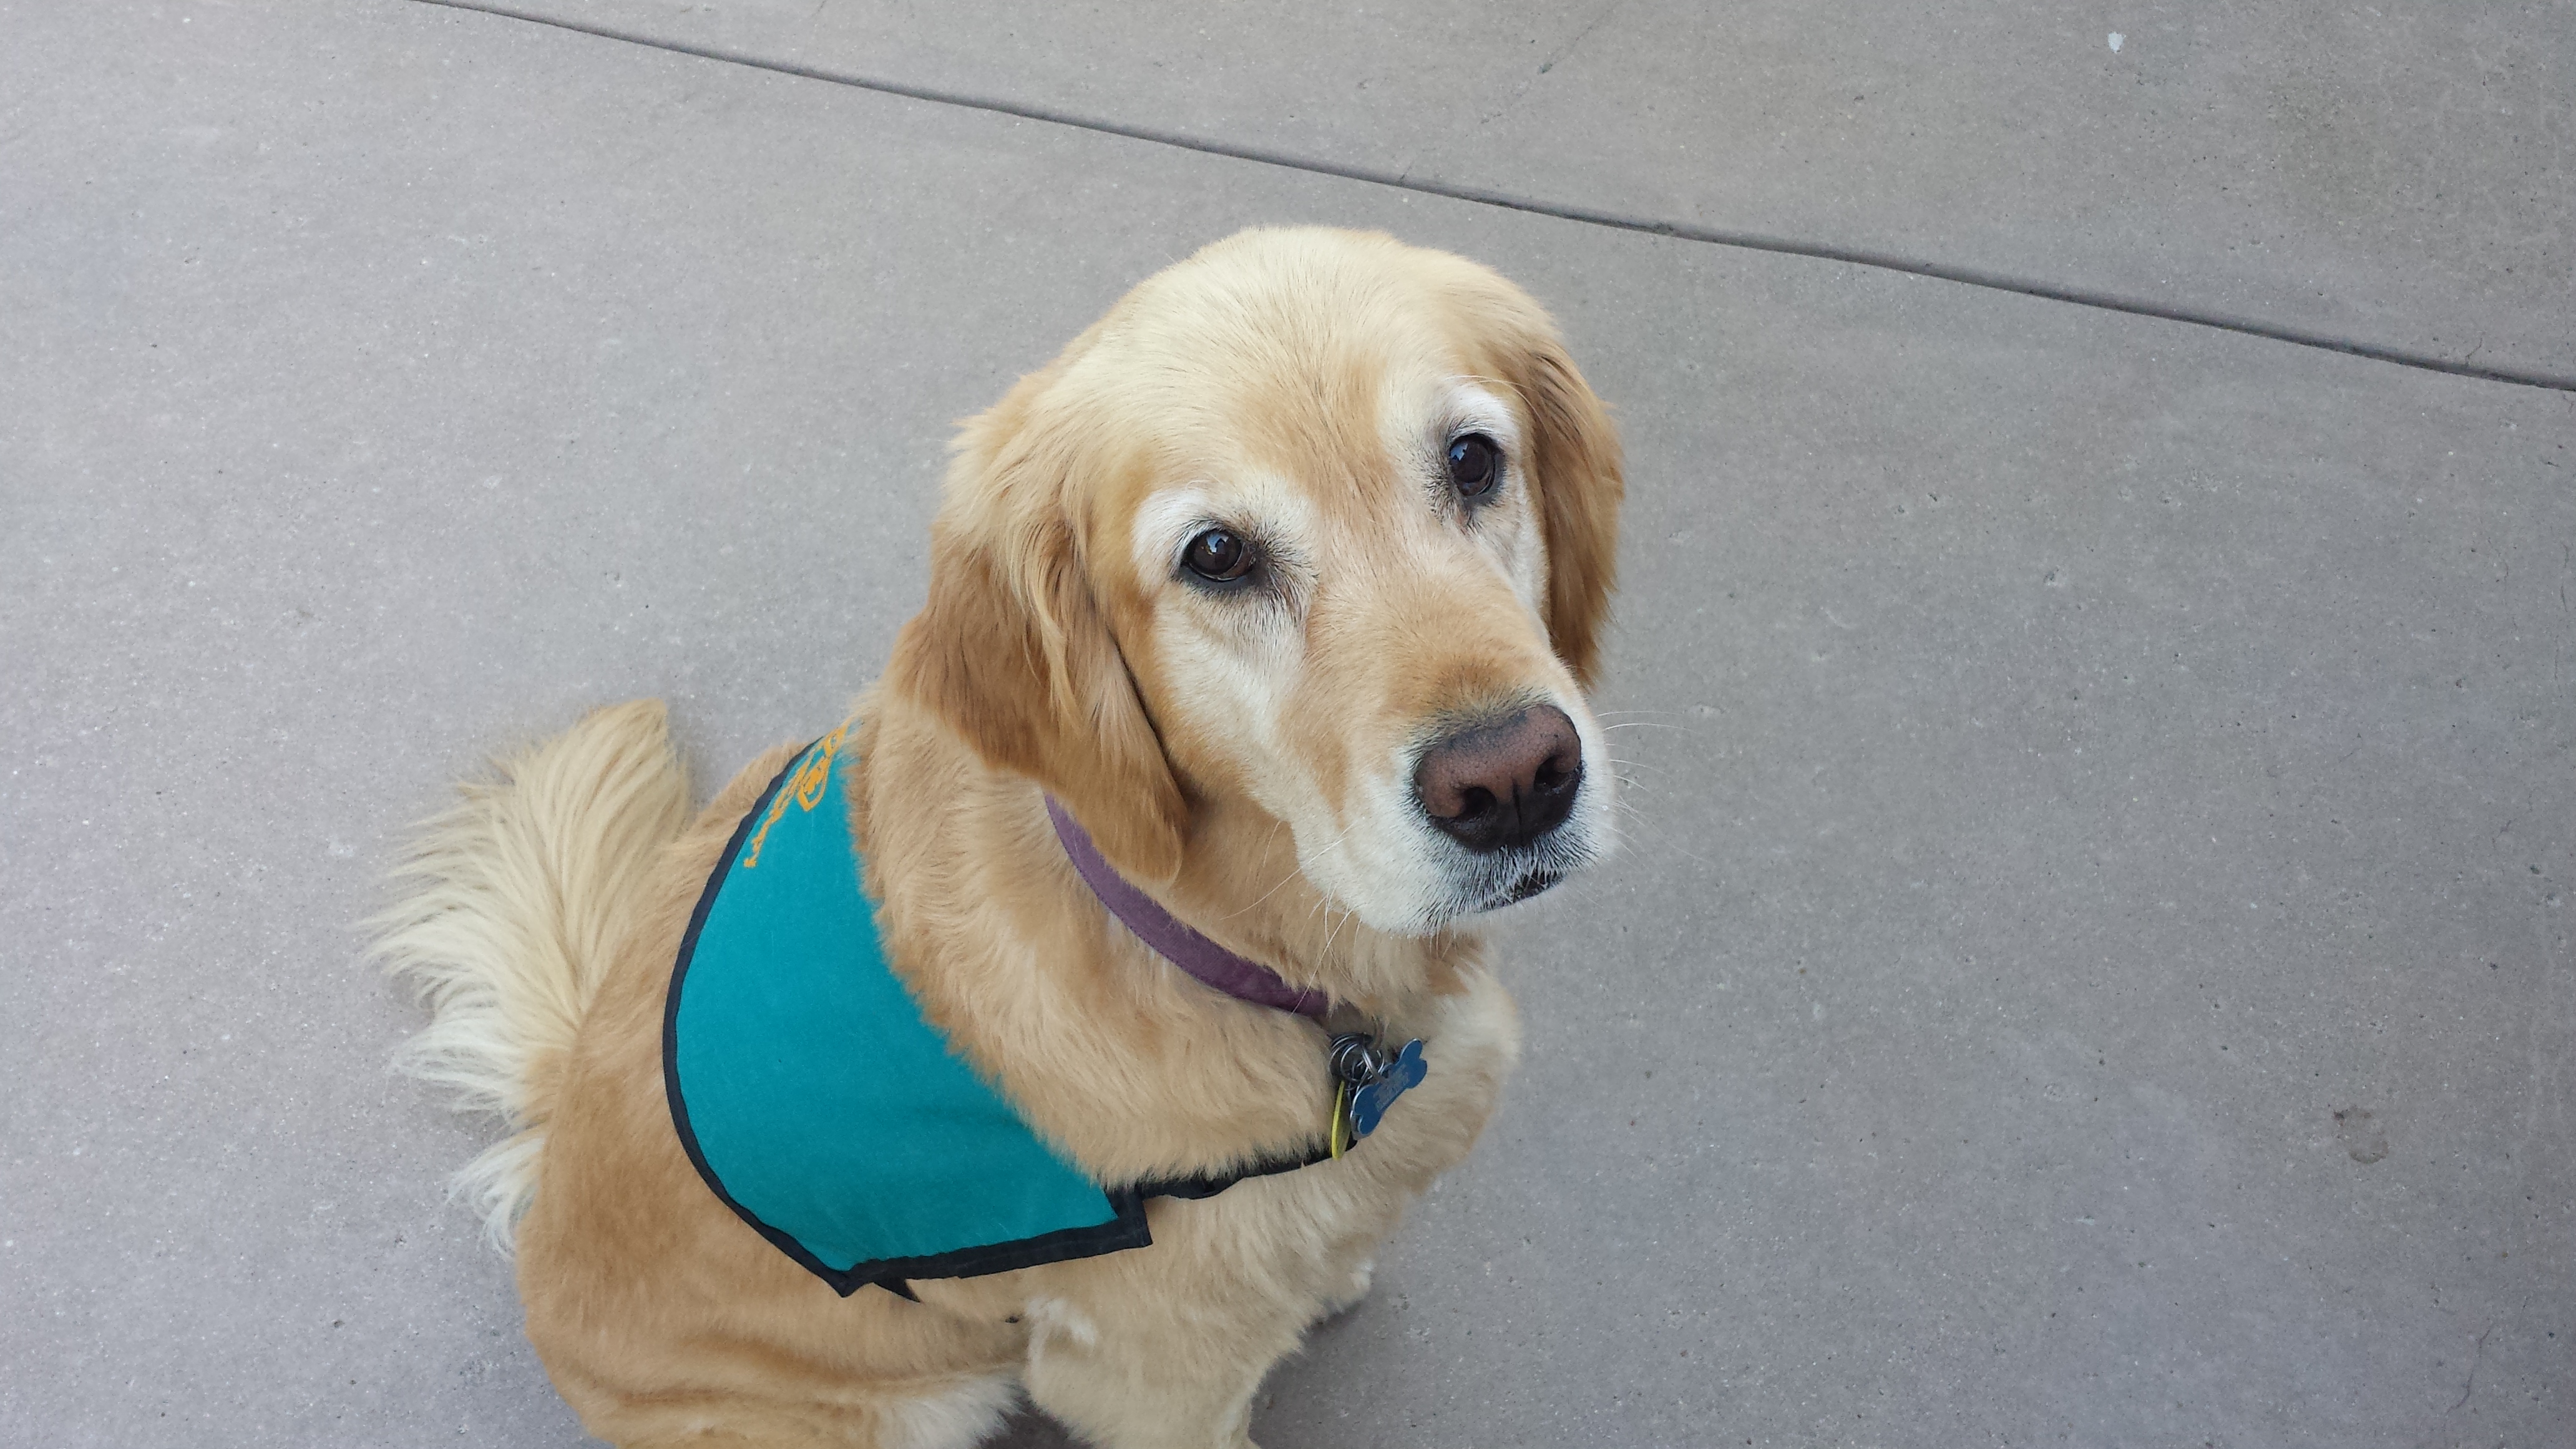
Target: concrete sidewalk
pixel 2092 963
pixel 2389 175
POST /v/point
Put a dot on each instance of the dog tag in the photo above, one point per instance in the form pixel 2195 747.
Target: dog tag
pixel 1369 1103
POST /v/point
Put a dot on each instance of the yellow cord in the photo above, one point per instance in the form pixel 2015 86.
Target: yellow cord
pixel 1341 1116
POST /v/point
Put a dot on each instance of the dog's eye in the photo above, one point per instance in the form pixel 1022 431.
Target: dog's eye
pixel 1219 556
pixel 1474 464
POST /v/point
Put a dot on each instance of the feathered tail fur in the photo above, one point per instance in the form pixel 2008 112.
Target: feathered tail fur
pixel 510 907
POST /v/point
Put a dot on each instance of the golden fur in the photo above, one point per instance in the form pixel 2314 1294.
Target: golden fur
pixel 1245 759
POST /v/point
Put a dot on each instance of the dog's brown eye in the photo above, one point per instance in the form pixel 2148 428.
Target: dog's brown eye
pixel 1219 556
pixel 1474 464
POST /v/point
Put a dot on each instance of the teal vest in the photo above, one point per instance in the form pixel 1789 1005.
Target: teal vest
pixel 817 1102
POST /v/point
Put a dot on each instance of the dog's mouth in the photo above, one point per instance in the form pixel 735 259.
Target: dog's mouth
pixel 1482 884
pixel 1530 883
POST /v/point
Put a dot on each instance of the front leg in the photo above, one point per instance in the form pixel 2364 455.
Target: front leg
pixel 1164 1348
pixel 1149 1391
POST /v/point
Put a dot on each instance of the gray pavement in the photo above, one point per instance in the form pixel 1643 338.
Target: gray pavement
pixel 2092 964
pixel 2392 174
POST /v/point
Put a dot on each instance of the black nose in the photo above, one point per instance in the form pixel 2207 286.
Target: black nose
pixel 1502 783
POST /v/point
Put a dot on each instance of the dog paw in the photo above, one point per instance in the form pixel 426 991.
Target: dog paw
pixel 1354 1291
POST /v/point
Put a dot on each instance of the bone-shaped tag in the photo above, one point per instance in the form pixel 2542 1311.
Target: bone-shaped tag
pixel 1369 1103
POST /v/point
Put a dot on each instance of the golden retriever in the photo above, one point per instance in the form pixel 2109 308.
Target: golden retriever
pixel 1286 579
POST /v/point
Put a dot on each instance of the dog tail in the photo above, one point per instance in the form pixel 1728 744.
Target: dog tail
pixel 511 907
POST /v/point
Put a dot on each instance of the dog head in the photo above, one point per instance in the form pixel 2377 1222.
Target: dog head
pixel 1313 528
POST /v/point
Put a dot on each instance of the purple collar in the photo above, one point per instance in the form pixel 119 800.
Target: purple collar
pixel 1174 942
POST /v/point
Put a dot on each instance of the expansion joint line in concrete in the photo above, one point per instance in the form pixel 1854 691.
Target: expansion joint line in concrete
pixel 1591 216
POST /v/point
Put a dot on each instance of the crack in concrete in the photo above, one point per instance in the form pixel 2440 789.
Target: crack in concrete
pixel 1512 101
pixel 2475 1358
pixel 1580 36
pixel 1562 211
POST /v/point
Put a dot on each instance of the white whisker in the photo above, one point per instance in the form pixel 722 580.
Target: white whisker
pixel 1294 870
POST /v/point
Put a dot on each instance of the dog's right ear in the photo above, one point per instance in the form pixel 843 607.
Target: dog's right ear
pixel 1012 651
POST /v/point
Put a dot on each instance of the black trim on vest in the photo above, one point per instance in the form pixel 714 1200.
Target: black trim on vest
pixel 1126 1230
pixel 1191 1189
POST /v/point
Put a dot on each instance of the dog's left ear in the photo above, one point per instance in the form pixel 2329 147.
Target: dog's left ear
pixel 1579 489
